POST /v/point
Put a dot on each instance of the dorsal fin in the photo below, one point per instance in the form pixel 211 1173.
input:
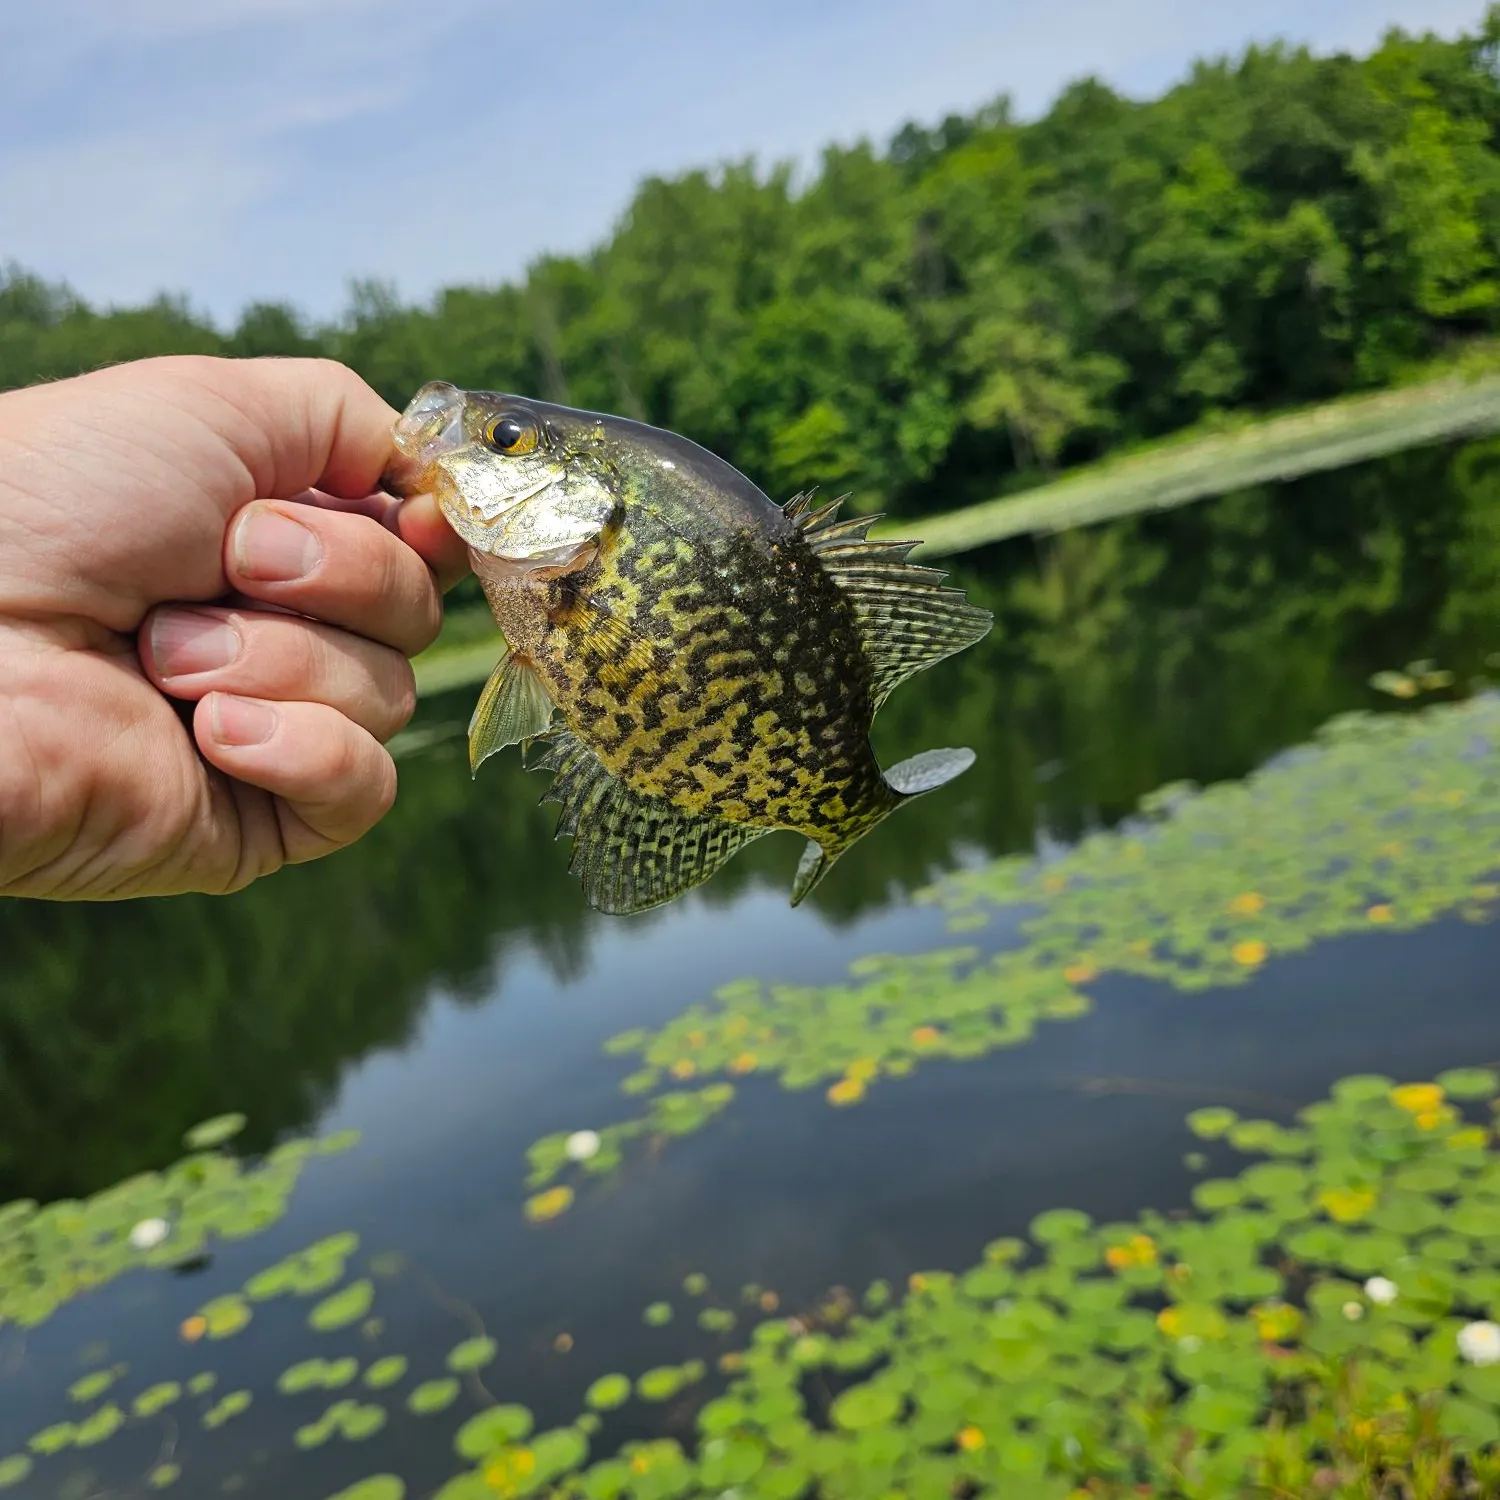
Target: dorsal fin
pixel 630 852
pixel 907 620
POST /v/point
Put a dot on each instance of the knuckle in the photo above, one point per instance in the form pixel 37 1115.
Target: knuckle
pixel 401 692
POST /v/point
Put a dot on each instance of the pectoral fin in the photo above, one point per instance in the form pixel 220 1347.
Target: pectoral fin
pixel 514 707
pixel 630 852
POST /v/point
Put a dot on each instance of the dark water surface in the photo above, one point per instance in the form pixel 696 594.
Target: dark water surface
pixel 443 989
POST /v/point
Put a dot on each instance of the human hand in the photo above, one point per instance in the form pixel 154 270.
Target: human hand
pixel 205 531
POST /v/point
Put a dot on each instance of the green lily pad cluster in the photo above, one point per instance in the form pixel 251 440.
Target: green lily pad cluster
pixel 48 1255
pixel 1384 823
pixel 1326 1322
pixel 679 1112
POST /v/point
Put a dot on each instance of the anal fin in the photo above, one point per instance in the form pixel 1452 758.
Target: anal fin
pixel 631 852
pixel 513 708
pixel 811 868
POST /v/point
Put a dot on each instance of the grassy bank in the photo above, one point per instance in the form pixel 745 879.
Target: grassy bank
pixel 1191 466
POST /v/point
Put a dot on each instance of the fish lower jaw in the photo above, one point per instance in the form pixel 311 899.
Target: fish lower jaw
pixel 496 567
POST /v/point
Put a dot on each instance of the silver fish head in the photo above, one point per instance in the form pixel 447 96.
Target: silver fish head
pixel 518 480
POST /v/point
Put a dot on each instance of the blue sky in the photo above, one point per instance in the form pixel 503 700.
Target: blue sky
pixel 240 149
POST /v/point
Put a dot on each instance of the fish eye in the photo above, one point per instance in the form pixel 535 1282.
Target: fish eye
pixel 512 434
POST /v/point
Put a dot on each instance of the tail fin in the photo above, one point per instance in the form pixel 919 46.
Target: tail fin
pixel 909 778
pixel 928 771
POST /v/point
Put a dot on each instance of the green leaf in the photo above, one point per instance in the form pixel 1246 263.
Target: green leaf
pixel 658 1315
pixel 343 1308
pixel 385 1372
pixel 492 1429
pixel 608 1392
pixel 472 1354
pixel 13 1470
pixel 214 1132
pixel 156 1398
pixel 432 1396
pixel 865 1406
pixel 378 1487
pixel 1210 1124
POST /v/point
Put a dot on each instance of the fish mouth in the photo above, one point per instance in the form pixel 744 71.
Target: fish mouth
pixel 431 425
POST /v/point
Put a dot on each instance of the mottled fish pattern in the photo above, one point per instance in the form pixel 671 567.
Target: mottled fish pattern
pixel 715 659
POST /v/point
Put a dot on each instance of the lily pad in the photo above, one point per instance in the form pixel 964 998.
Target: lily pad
pixel 472 1354
pixel 432 1396
pixel 343 1308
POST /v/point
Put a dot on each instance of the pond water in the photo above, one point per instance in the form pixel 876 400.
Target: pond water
pixel 443 990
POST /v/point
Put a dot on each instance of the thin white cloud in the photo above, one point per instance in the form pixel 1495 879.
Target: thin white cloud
pixel 239 149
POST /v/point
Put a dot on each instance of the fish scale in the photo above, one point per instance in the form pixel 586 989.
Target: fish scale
pixel 698 665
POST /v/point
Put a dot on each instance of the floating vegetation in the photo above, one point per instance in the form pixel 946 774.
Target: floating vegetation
pixel 1385 823
pixel 472 1354
pixel 344 1307
pixel 50 1255
pixel 1267 1343
pixel 432 1396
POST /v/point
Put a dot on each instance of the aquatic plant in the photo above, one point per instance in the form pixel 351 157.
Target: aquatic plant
pixel 1323 1323
pixel 48 1255
pixel 1325 1320
pixel 1384 823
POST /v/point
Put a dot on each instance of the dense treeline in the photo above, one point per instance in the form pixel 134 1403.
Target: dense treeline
pixel 929 323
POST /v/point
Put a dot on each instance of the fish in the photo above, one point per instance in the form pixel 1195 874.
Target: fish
pixel 695 664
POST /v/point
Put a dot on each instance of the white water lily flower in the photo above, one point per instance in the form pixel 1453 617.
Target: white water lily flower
pixel 1381 1290
pixel 1354 1311
pixel 1479 1343
pixel 582 1144
pixel 148 1234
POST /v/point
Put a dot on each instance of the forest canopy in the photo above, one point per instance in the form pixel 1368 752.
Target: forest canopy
pixel 941 319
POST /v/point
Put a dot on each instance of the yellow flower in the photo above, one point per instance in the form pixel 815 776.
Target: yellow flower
pixel 862 1069
pixel 970 1439
pixel 1139 1250
pixel 1390 850
pixel 1347 1205
pixel 926 1036
pixel 549 1205
pixel 1249 953
pixel 640 1464
pixel 1275 1322
pixel 1169 1320
pixel 1054 883
pixel 1431 1119
pixel 1417 1098
pixel 684 1067
pixel 1384 912
pixel 193 1328
pixel 1140 947
pixel 507 1471
pixel 1453 797
pixel 1247 904
pixel 1080 973
pixel 916 1282
pixel 696 1038
pixel 732 1362
pixel 846 1091
pixel 769 1302
pixel 745 1063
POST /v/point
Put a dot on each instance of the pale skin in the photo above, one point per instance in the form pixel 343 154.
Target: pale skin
pixel 206 613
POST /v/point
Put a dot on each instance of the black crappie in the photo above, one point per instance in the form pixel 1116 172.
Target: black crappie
pixel 715 659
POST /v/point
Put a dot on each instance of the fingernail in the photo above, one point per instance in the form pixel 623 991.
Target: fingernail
pixel 242 721
pixel 273 548
pixel 184 642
